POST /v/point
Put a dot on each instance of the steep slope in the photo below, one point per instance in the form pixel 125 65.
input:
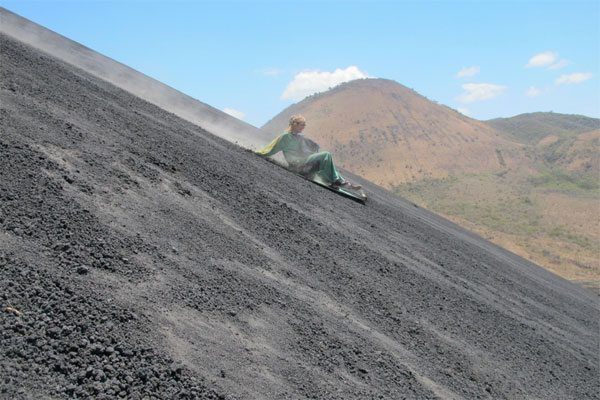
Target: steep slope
pixel 533 127
pixel 390 134
pixel 143 86
pixel 141 255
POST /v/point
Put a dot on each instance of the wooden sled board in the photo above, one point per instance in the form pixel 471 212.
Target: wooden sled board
pixel 359 198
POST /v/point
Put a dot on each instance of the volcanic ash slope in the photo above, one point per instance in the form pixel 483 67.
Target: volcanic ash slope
pixel 140 255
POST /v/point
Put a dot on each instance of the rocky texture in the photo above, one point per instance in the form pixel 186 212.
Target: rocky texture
pixel 140 256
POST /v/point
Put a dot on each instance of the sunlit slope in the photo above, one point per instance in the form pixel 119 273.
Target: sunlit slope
pixel 547 218
pixel 390 134
pixel 567 144
pixel 146 257
pixel 533 127
pixel 582 154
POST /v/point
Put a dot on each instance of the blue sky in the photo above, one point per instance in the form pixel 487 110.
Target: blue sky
pixel 254 58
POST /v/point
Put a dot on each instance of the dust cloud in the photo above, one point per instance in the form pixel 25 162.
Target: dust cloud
pixel 209 118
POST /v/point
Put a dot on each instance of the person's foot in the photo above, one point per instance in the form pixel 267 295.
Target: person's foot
pixel 351 185
pixel 345 184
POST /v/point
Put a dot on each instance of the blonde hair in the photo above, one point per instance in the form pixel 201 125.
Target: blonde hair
pixel 295 120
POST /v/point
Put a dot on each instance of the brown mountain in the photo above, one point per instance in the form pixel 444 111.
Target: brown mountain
pixel 528 183
pixel 533 127
pixel 576 154
pixel 567 142
pixel 390 134
pixel 583 155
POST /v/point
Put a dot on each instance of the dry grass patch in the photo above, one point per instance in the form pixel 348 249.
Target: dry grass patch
pixel 556 229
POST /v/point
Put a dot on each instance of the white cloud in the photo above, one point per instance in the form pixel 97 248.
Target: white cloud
pixel 480 91
pixel 235 113
pixel 309 82
pixel 577 77
pixel 560 64
pixel 547 59
pixel 468 71
pixel 544 59
pixel 533 92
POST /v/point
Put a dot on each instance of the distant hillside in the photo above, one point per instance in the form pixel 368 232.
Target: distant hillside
pixel 390 134
pixel 577 154
pixel 583 154
pixel 566 144
pixel 533 127
pixel 527 183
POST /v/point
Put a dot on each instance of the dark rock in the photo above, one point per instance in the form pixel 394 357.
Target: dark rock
pixel 248 241
pixel 53 332
pixel 82 270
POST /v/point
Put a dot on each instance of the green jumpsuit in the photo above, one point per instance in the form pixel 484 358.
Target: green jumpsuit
pixel 300 152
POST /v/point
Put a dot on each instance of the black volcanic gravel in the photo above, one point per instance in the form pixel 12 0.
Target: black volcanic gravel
pixel 142 257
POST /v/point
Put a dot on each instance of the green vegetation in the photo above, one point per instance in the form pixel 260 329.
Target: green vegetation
pixel 554 152
pixel 559 180
pixel 530 128
pixel 549 216
pixel 507 204
pixel 483 199
pixel 563 233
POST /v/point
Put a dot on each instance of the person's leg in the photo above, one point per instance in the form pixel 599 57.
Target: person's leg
pixel 326 170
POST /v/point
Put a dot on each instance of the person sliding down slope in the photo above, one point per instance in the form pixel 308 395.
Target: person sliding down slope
pixel 303 156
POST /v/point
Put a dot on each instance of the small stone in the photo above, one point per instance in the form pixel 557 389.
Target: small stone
pixel 175 368
pixel 53 332
pixel 61 246
pixel 82 270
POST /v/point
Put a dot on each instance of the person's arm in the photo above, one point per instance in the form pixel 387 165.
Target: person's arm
pixel 312 145
pixel 274 147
